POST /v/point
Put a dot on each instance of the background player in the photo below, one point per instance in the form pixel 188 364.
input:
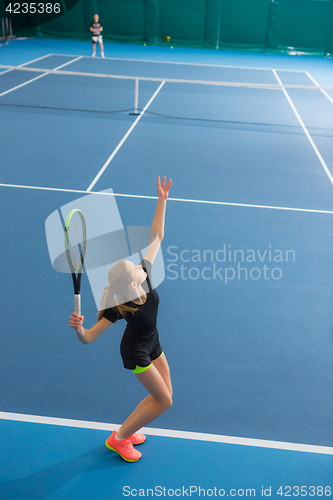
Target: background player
pixel 96 28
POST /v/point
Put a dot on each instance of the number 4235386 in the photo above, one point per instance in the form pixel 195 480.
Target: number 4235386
pixel 34 8
pixel 303 491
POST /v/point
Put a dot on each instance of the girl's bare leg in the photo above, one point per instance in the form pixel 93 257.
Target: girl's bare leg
pixel 158 383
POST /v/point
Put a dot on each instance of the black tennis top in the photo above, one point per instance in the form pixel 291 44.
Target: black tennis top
pixel 96 26
pixel 141 325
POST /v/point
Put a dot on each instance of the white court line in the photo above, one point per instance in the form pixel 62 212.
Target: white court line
pixel 321 89
pixel 36 78
pixel 7 71
pixel 67 63
pixel 184 200
pixel 24 64
pixel 124 139
pixel 320 158
pixel 188 64
pixel 22 85
pixel 196 436
pixel 35 60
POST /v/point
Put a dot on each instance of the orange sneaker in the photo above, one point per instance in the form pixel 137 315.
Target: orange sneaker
pixel 124 447
pixel 138 438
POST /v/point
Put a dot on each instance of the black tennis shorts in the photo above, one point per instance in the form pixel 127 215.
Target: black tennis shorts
pixel 136 355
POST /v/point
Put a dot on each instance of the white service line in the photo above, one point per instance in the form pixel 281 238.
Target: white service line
pixel 124 139
pixel 195 436
pixel 247 205
pixel 321 89
pixel 183 200
pixel 320 158
pixel 37 77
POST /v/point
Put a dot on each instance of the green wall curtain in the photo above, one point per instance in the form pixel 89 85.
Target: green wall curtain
pixel 254 25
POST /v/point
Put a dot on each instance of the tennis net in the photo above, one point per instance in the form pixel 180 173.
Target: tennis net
pixel 257 106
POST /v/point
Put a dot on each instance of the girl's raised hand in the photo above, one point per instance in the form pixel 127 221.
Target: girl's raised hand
pixel 162 189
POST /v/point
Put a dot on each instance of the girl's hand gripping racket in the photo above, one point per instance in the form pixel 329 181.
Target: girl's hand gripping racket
pixel 75 246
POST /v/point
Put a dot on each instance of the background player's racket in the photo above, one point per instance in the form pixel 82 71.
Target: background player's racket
pixel 75 245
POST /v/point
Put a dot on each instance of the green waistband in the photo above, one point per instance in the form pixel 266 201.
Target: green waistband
pixel 140 369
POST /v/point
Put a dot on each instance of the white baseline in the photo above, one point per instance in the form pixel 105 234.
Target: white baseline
pixel 196 436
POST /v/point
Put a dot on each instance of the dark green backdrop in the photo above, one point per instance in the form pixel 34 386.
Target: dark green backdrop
pixel 258 25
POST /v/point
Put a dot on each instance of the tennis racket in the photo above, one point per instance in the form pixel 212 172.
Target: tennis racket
pixel 75 246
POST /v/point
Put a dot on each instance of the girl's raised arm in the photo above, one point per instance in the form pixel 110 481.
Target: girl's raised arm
pixel 157 227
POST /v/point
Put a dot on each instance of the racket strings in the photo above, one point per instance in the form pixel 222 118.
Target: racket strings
pixel 75 240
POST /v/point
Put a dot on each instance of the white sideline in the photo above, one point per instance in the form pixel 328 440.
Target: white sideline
pixel 37 77
pixel 320 158
pixel 319 87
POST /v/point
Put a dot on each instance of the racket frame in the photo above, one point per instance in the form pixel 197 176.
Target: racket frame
pixel 79 267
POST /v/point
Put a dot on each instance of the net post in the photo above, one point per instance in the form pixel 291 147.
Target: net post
pixel 10 28
pixel 7 28
pixel 136 98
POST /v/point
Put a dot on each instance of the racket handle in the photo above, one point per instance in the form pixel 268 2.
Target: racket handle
pixel 77 304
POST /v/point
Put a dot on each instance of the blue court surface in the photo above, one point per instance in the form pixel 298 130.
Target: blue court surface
pixel 245 316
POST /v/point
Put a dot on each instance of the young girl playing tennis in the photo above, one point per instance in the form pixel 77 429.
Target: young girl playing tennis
pixel 131 294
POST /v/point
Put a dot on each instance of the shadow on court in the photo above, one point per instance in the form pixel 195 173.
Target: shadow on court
pixel 43 483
